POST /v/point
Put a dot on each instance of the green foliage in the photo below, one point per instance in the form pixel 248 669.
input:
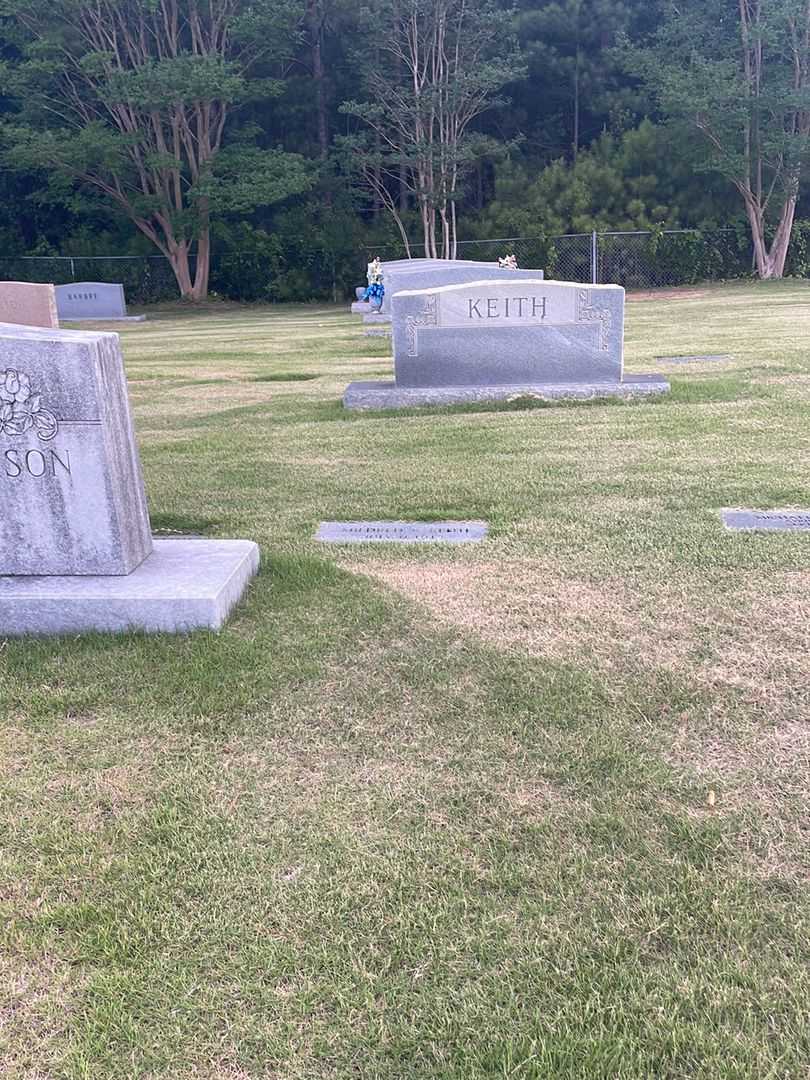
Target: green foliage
pixel 625 182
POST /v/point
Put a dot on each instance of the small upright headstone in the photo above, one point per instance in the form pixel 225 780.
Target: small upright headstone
pixel 498 339
pixel 76 550
pixel 93 301
pixel 27 303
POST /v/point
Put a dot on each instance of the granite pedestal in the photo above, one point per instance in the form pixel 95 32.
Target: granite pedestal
pixel 183 585
pixel 387 395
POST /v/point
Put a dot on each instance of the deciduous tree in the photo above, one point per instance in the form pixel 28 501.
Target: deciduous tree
pixel 739 72
pixel 133 98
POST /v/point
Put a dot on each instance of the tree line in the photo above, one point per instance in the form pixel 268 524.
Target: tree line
pixel 309 129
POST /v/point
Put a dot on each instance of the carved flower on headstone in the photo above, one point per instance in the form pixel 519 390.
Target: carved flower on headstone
pixel 21 408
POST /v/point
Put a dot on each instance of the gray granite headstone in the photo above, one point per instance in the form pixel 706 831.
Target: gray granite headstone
pixel 498 332
pixel 437 272
pixel 74 500
pixel 93 301
pixel 76 550
pixel 769 520
pixel 505 337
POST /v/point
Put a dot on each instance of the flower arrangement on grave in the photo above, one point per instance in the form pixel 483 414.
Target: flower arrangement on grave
pixel 21 408
pixel 508 262
pixel 376 290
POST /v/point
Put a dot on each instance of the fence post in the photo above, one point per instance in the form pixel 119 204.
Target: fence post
pixel 72 269
pixel 594 258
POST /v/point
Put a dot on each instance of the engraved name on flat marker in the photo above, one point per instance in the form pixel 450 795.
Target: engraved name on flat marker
pixel 694 359
pixel 768 520
pixel 402 532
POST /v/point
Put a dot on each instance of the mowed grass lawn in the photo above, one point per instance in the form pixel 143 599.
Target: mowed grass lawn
pixel 534 808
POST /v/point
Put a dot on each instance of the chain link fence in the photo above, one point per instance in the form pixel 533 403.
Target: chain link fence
pixel 147 279
pixel 636 260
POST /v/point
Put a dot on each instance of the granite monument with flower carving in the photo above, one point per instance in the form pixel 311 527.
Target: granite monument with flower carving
pixel 76 549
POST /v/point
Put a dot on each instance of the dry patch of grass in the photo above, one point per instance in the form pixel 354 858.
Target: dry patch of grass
pixel 36 1002
pixel 741 631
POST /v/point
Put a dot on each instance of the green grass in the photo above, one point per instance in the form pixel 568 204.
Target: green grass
pixel 535 808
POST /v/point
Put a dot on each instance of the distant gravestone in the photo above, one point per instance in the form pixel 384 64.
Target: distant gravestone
pixel 93 301
pixel 27 303
pixel 496 339
pixel 76 550
pixel 768 520
pixel 437 272
pixel 402 532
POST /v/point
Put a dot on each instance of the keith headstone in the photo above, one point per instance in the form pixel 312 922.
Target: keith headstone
pixel 498 339
pixel 27 303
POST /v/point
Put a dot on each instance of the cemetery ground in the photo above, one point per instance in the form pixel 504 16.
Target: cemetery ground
pixel 530 808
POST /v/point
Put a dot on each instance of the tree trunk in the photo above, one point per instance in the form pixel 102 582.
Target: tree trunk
pixel 178 259
pixel 203 268
pixel 770 263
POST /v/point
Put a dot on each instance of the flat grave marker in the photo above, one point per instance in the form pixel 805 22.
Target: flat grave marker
pixel 707 358
pixel 767 520
pixel 402 532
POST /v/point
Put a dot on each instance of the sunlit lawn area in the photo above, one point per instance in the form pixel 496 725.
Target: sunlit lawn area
pixel 534 808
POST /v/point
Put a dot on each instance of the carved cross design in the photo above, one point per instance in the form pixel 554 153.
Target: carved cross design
pixel 429 317
pixel 586 312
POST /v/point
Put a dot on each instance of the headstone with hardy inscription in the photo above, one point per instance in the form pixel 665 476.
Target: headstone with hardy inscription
pixel 93 301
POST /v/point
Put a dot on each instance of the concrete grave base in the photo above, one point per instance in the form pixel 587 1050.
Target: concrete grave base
pixel 361 307
pixel 377 331
pixel 387 395
pixel 183 585
pixel 376 318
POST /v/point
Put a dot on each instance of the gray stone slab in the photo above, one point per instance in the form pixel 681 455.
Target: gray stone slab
pixel 454 271
pixel 70 476
pixel 361 307
pixel 709 357
pixel 377 331
pixel 768 520
pixel 184 585
pixel 402 532
pixel 26 303
pixel 110 319
pixel 376 318
pixel 387 395
pixel 90 300
pixel 503 331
